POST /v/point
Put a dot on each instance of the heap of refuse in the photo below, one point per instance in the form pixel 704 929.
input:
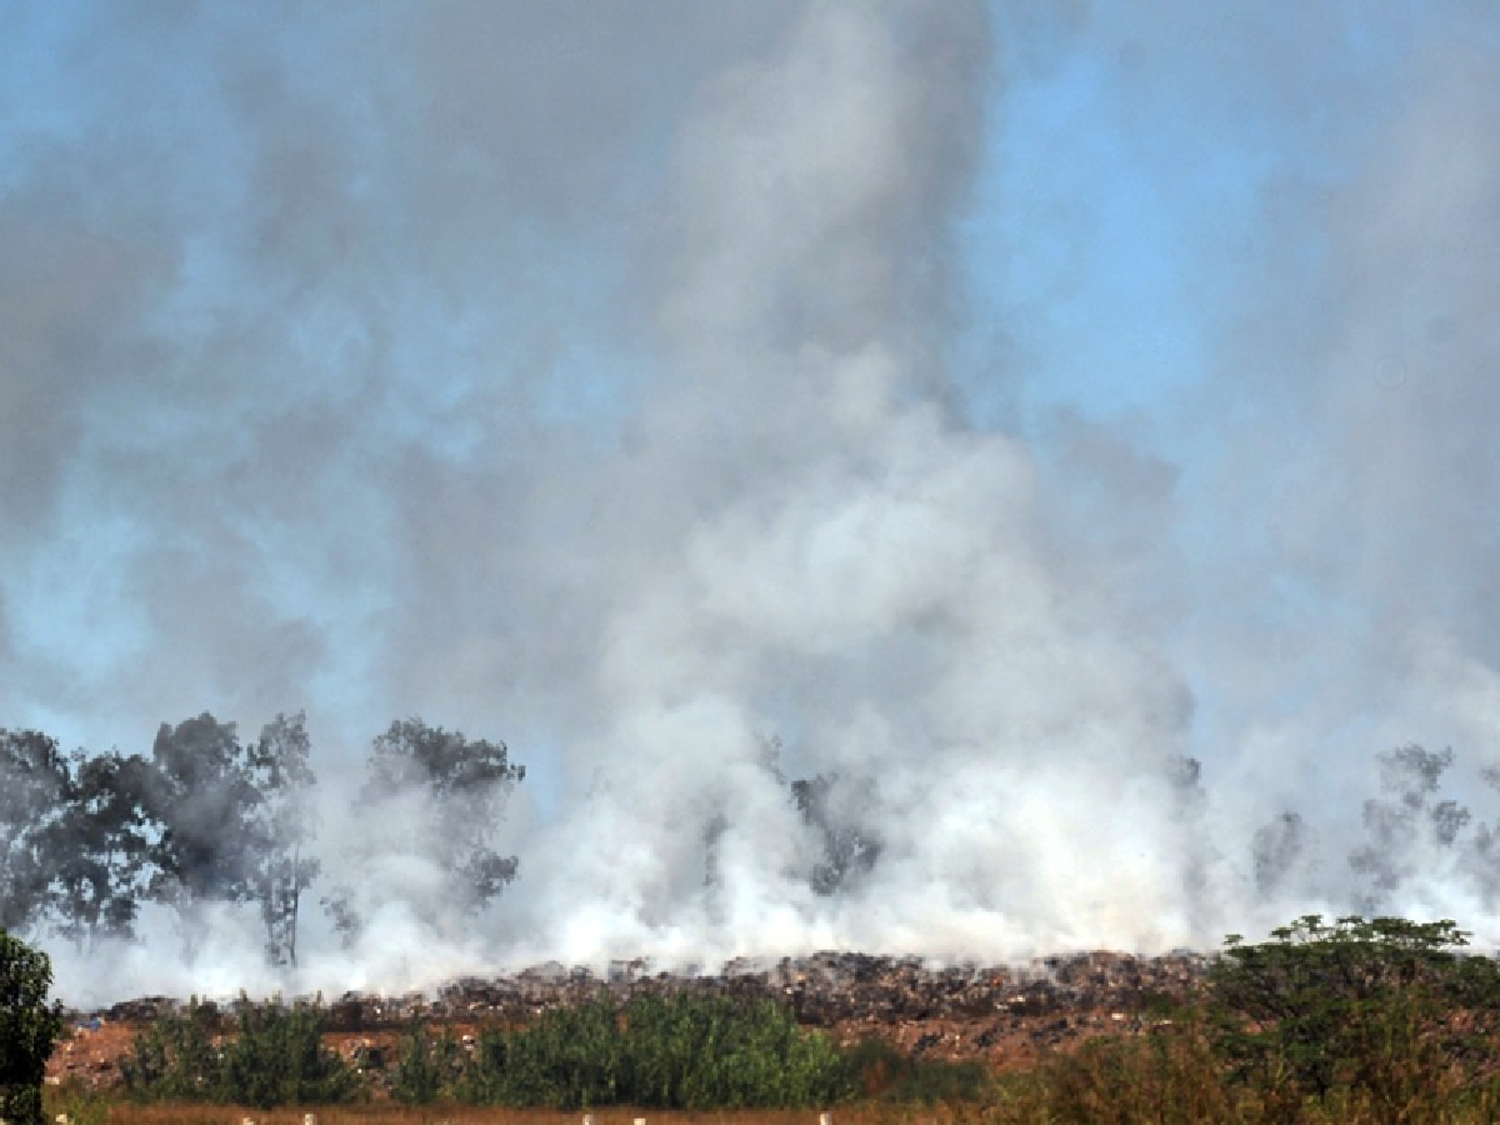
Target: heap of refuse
pixel 1003 1014
pixel 823 990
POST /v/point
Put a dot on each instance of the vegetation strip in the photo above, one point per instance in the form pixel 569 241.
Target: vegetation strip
pixel 1351 1021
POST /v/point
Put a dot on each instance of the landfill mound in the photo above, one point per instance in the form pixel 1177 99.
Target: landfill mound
pixel 1005 1015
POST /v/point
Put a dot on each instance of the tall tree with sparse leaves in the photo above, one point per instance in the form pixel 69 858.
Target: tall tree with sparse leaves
pixel 468 782
pixel 850 849
pixel 34 789
pixel 280 769
pixel 1404 819
pixel 471 779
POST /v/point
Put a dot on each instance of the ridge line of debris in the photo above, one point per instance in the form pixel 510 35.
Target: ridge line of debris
pixel 823 990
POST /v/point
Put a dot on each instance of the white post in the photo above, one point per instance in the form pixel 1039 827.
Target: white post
pixel 825 1118
pixel 588 1119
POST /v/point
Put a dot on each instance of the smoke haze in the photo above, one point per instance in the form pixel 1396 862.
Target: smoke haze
pixel 992 406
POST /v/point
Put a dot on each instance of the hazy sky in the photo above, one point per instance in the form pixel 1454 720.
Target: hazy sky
pixel 996 402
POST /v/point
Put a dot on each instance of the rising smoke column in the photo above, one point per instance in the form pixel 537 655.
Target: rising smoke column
pixel 1376 477
pixel 819 550
pixel 844 563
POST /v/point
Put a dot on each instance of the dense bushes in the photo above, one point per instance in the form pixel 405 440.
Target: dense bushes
pixel 1386 1010
pixel 1351 1021
pixel 669 1052
pixel 678 1052
pixel 276 1057
pixel 1170 1075
pixel 1176 1074
pixel 429 1068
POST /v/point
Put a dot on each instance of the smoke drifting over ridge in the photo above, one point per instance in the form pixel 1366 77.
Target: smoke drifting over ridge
pixel 601 379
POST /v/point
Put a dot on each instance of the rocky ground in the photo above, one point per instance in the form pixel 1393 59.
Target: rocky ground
pixel 1002 1015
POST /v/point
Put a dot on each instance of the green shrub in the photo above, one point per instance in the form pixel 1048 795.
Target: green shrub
pixel 176 1057
pixel 276 1057
pixel 1381 1021
pixel 1386 1008
pixel 669 1052
pixel 429 1069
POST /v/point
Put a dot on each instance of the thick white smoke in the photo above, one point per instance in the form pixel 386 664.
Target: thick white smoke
pixel 833 558
pixel 592 382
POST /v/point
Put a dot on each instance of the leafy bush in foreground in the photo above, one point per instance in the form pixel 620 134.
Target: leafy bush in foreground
pixel 1168 1075
pixel 1385 1007
pixel 1350 1022
pixel 671 1052
pixel 277 1057
pixel 176 1058
pixel 429 1069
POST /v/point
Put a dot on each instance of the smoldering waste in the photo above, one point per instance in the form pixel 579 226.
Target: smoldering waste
pixel 1003 1014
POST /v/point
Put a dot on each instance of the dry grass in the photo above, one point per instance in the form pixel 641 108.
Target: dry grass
pixel 125 1113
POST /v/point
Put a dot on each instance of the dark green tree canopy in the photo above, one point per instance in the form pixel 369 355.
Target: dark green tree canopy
pixel 29 1026
pixel 106 847
pixel 1311 1005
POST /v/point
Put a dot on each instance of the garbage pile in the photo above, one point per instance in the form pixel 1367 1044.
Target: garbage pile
pixel 1004 1014
pixel 967 1010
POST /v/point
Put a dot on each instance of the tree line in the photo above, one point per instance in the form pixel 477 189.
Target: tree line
pixel 209 817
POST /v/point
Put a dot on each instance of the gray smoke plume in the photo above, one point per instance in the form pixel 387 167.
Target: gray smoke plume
pixel 615 380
